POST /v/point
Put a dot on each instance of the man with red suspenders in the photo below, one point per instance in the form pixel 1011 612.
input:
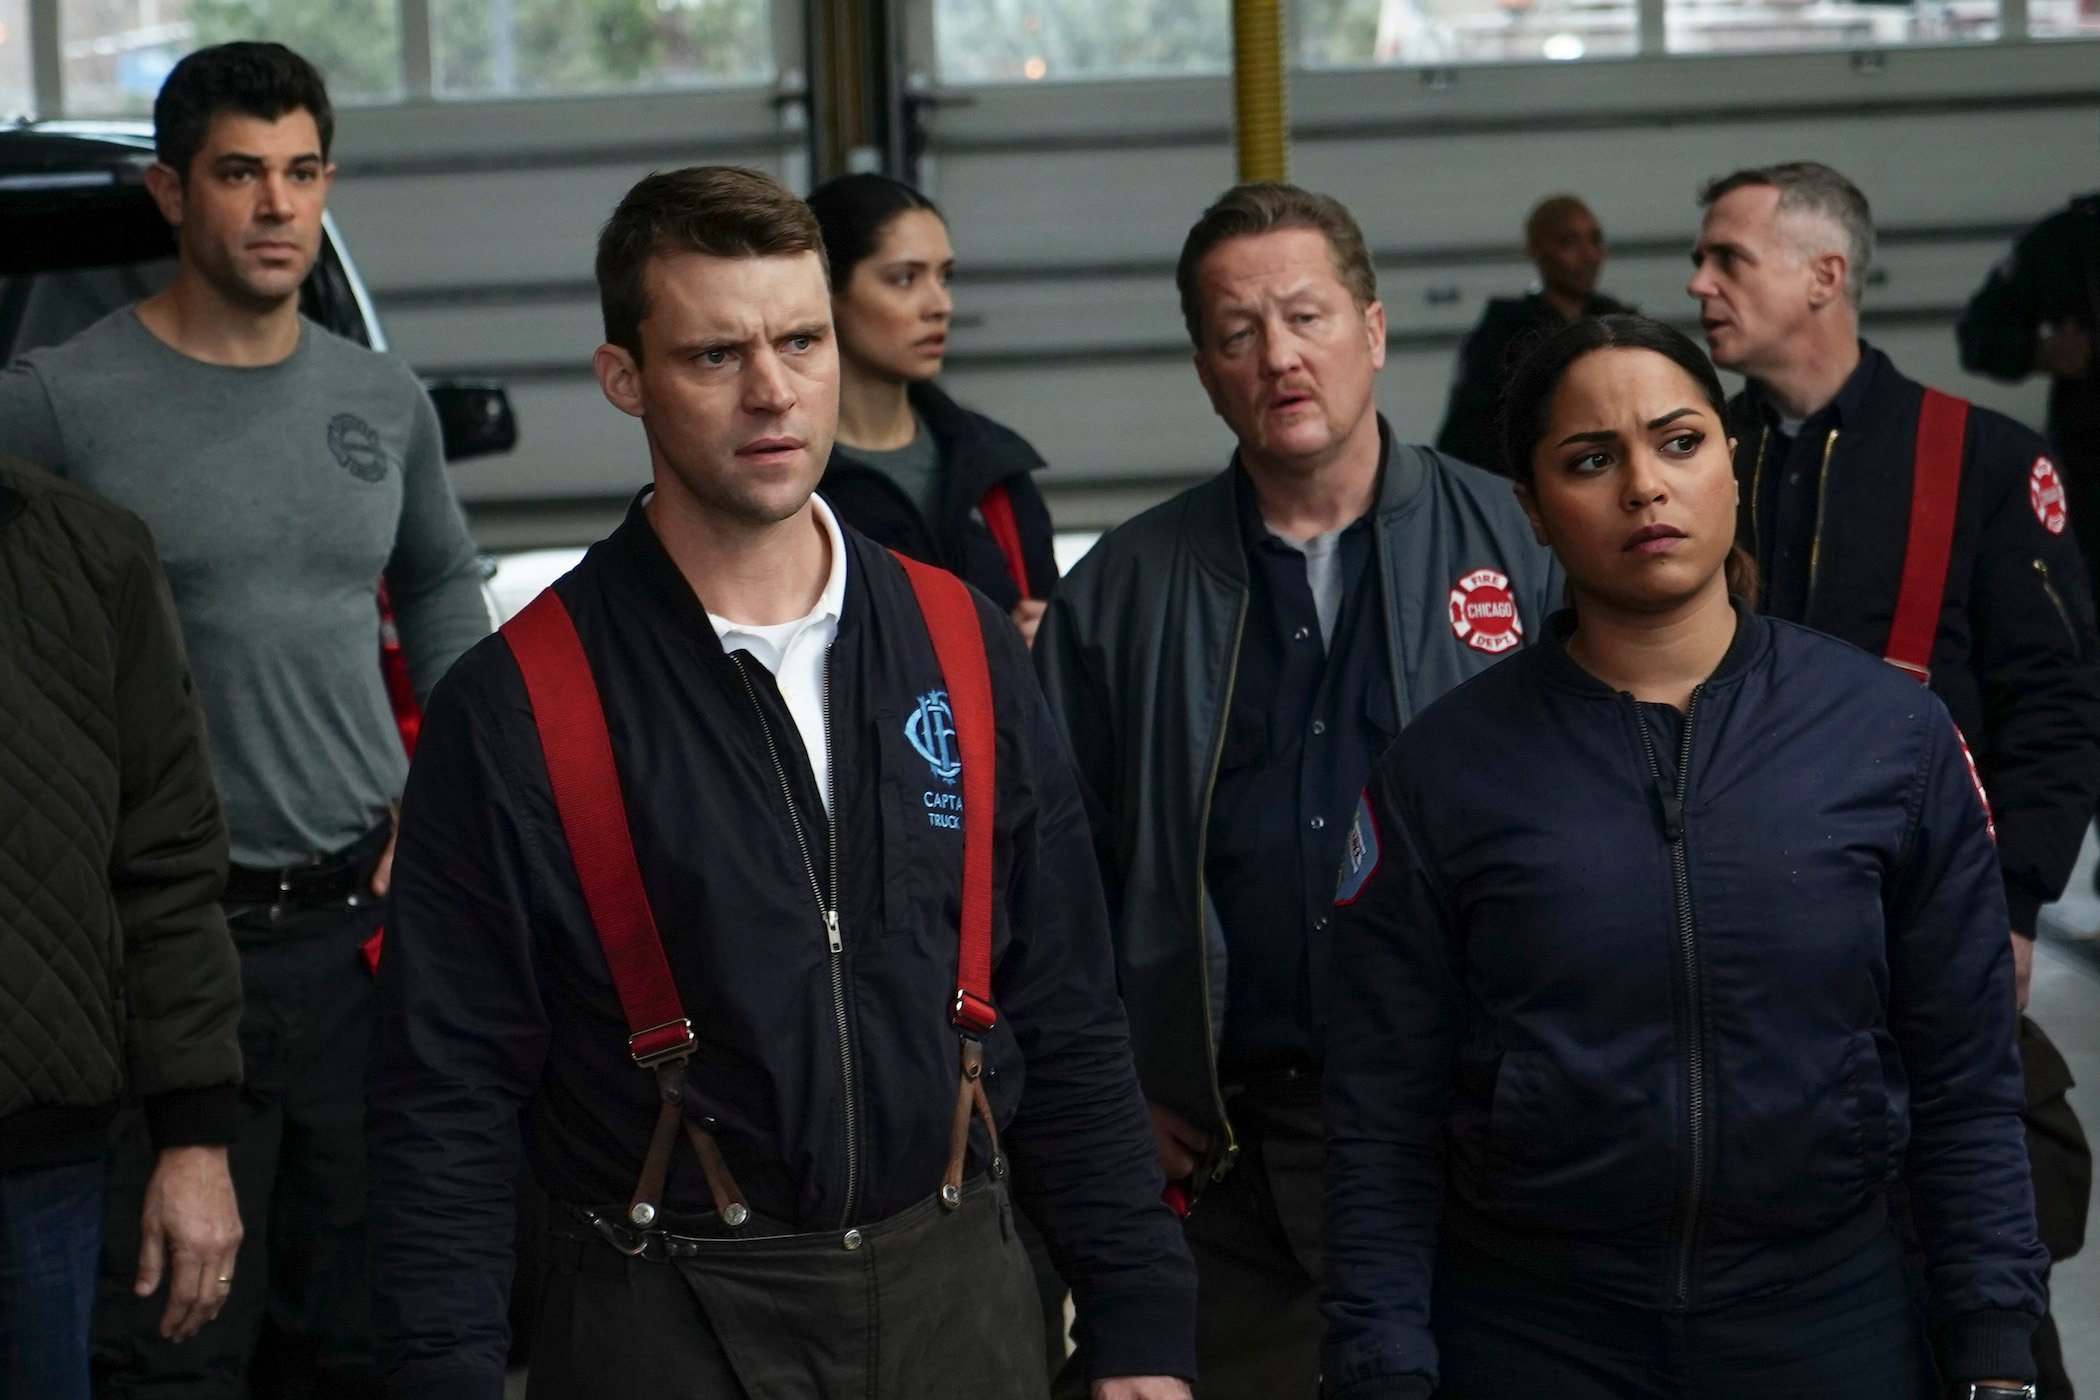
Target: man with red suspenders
pixel 745 880
pixel 1930 532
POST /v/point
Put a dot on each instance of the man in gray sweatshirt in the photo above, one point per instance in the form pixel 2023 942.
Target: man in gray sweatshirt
pixel 283 470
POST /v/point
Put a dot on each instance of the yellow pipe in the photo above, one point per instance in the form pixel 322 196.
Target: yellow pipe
pixel 1260 103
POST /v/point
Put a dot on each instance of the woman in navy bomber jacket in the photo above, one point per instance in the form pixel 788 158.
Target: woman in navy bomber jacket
pixel 1679 983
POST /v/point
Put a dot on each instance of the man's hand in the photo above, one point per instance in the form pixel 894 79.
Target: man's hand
pixel 1028 615
pixel 2067 354
pixel 1142 1388
pixel 383 873
pixel 2023 967
pixel 190 1232
pixel 1182 1145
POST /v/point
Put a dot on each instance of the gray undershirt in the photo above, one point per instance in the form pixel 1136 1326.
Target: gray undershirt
pixel 1323 574
pixel 915 468
pixel 277 496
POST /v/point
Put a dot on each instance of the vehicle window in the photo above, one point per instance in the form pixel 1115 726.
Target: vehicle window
pixel 69 262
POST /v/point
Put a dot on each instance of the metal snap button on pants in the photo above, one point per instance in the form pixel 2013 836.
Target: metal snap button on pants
pixel 930 1304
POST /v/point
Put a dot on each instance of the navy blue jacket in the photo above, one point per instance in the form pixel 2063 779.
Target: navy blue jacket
pixel 976 455
pixel 498 1019
pixel 1674 1097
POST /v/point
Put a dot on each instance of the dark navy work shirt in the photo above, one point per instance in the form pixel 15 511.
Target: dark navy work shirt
pixel 1788 483
pixel 1308 721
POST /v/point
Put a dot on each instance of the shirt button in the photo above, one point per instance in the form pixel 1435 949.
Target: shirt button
pixel 1319 726
pixel 1301 634
pixel 1318 822
pixel 1321 925
pixel 852 1240
pixel 1793 478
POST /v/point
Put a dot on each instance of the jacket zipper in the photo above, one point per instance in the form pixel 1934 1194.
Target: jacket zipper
pixel 829 908
pixel 1210 790
pixel 2063 613
pixel 1672 801
pixel 1815 544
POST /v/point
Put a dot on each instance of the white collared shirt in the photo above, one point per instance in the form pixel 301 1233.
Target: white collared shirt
pixel 794 652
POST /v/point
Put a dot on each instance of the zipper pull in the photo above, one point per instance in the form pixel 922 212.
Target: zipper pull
pixel 831 930
pixel 1672 810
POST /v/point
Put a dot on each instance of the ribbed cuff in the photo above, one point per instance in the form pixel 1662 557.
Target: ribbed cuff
pixel 1405 1386
pixel 1987 1345
pixel 1150 1333
pixel 194 1117
pixel 2023 909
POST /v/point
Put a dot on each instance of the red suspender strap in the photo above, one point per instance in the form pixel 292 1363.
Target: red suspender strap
pixel 1934 491
pixel 958 645
pixel 997 508
pixel 571 722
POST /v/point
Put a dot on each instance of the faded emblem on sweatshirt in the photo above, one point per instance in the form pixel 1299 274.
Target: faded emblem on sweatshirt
pixel 357 447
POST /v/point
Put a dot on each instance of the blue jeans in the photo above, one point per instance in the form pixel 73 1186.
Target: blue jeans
pixel 50 1234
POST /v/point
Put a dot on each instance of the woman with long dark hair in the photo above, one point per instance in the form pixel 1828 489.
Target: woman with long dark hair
pixel 1678 980
pixel 911 467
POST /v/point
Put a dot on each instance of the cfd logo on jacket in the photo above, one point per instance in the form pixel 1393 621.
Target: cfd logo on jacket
pixel 1484 612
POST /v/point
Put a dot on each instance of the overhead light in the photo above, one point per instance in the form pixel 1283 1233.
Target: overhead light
pixel 1564 48
pixel 1034 69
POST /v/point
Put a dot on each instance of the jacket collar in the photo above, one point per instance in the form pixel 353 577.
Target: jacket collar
pixel 636 554
pixel 1752 636
pixel 1855 401
pixel 1214 532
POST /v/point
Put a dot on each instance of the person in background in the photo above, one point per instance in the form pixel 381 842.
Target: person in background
pixel 912 469
pixel 1566 244
pixel 1852 475
pixel 1673 942
pixel 116 972
pixel 1227 667
pixel 2039 313
pixel 282 470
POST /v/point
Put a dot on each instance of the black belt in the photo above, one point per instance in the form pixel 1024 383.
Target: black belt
pixel 344 877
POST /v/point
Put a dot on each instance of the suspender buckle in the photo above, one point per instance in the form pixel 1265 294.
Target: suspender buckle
pixel 973 1017
pixel 669 1041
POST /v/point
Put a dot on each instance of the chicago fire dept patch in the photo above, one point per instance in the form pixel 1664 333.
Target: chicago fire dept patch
pixel 2045 492
pixel 1360 854
pixel 1484 612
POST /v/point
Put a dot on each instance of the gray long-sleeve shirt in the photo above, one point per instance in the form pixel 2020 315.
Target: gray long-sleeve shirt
pixel 278 496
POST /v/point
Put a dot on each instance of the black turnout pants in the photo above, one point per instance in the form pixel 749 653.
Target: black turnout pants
pixel 298 1322
pixel 929 1304
pixel 2062 1164
pixel 1852 1332
pixel 1256 1238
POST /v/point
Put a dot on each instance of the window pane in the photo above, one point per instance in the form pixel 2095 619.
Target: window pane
pixel 116 52
pixel 14 58
pixel 1434 32
pixel 1000 41
pixel 539 46
pixel 1736 26
pixel 2058 19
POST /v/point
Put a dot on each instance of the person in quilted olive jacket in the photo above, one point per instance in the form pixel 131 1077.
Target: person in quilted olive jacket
pixel 117 973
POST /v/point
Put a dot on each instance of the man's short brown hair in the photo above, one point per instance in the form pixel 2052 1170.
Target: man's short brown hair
pixel 722 211
pixel 1264 206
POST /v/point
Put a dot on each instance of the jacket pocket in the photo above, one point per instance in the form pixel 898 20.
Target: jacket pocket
pixel 1873 1124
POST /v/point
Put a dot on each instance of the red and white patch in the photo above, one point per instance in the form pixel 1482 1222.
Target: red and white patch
pixel 1990 823
pixel 1484 612
pixel 2045 492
